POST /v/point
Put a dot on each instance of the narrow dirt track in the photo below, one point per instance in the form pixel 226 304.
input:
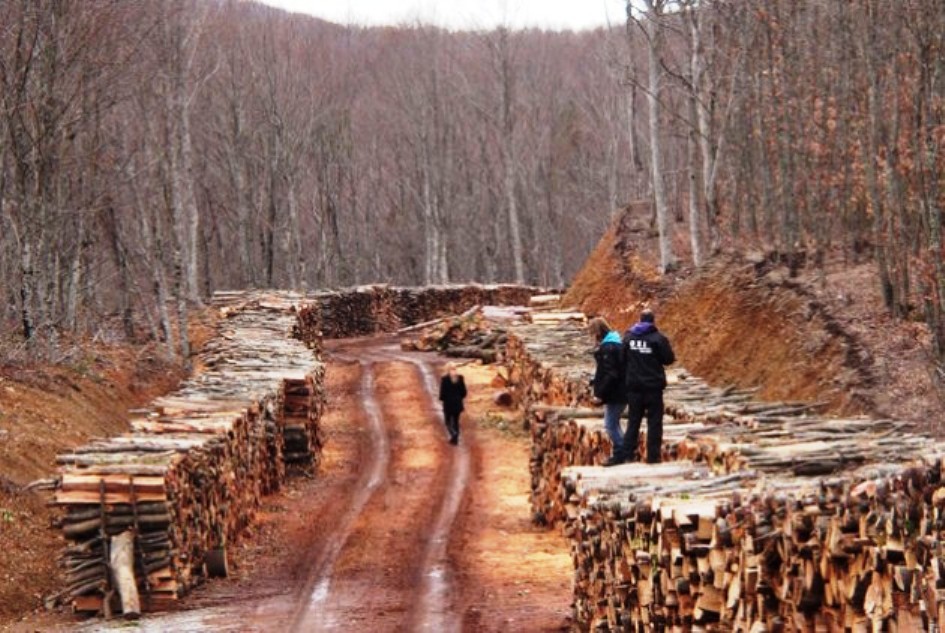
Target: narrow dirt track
pixel 398 531
pixel 316 612
pixel 407 507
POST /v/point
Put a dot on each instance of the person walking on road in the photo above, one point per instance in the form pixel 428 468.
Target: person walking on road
pixel 452 394
pixel 608 383
pixel 646 353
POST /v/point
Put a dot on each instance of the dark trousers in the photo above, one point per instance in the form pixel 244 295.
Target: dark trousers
pixel 452 423
pixel 650 404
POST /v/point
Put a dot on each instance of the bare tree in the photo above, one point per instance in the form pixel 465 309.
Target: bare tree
pixel 651 25
pixel 503 65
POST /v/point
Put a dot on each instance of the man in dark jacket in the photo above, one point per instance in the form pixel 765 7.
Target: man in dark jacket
pixel 608 382
pixel 646 353
pixel 452 394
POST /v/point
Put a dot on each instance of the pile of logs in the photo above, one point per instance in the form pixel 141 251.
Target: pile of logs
pixel 481 332
pixel 367 310
pixel 550 363
pixel 563 436
pixel 149 513
pixel 468 335
pixel 302 408
pixel 762 516
pixel 658 549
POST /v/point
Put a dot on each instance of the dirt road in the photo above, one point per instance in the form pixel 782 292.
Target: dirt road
pixel 385 562
pixel 399 530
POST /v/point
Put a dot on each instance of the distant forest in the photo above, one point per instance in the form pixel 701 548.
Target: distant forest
pixel 152 151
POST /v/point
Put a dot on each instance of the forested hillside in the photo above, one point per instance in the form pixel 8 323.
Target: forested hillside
pixel 153 151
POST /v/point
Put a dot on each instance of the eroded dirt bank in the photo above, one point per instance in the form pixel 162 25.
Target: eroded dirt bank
pixel 822 336
pixel 45 409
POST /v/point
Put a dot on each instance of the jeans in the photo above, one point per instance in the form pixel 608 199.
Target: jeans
pixel 649 403
pixel 612 412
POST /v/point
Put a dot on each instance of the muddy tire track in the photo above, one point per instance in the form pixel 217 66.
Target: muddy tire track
pixel 435 609
pixel 432 607
pixel 312 611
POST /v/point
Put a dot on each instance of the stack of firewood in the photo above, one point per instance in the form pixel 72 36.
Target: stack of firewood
pixel 367 310
pixel 670 547
pixel 802 446
pixel 349 312
pixel 564 436
pixel 480 332
pixel 762 516
pixel 302 409
pixel 188 478
pixel 550 364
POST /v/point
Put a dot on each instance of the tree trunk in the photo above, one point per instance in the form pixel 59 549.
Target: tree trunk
pixel 189 200
pixel 709 144
pixel 27 290
pixel 124 284
pixel 181 297
pixel 244 232
pixel 892 230
pixel 667 258
pixel 292 239
pixel 269 241
pixel 509 156
pixel 164 317
pixel 75 276
pixel 235 163
pixel 429 228
pixel 696 174
pixel 633 139
pixel 518 260
pixel 695 211
pixel 613 175
pixel 872 186
pixel 122 565
pixel 72 293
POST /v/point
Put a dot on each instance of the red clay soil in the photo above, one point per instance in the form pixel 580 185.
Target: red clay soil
pixel 513 575
pixel 736 327
pixel 821 337
pixel 43 411
pixel 375 580
pixel 613 285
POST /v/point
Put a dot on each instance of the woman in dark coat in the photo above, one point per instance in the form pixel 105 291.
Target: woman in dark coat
pixel 608 386
pixel 452 394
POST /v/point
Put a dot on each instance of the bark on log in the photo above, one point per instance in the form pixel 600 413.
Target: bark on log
pixel 122 567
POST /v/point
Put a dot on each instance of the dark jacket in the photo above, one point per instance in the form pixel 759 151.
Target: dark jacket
pixel 452 394
pixel 646 351
pixel 608 377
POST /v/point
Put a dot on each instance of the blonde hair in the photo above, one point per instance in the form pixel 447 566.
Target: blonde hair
pixel 598 328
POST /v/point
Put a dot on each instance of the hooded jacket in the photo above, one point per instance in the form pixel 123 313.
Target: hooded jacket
pixel 646 352
pixel 608 377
